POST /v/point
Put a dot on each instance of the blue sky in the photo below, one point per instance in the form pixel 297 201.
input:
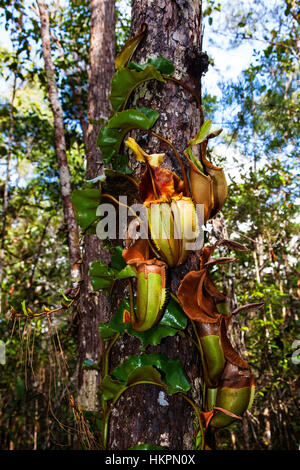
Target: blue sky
pixel 228 62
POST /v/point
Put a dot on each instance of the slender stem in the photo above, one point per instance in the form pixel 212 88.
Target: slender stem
pixel 196 333
pixel 194 342
pixel 105 369
pixel 163 139
pixel 108 196
pixel 193 92
pixel 124 175
pixel 131 301
pixel 106 354
pixel 174 297
pixel 202 358
pixel 132 180
pixel 198 417
pixel 46 312
pixel 105 429
pixel 204 395
pixel 21 315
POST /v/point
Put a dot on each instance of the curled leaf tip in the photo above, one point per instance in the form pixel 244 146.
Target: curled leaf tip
pixel 137 253
pixel 155 159
pixel 208 182
pixel 129 48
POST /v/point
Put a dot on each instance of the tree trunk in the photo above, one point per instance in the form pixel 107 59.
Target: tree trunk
pixel 143 414
pixel 6 186
pixel 94 306
pixel 60 144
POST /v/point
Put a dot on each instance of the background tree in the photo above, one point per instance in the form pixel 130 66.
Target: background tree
pixel 73 237
pixel 35 269
pixel 94 307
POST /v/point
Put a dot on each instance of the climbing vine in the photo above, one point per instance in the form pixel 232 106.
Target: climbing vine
pixel 151 313
pixel 170 226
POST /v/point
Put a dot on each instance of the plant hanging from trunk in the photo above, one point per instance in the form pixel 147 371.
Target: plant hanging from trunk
pixel 172 225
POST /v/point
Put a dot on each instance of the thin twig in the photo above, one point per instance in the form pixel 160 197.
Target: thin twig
pixel 193 92
pixel 45 312
pixel 198 416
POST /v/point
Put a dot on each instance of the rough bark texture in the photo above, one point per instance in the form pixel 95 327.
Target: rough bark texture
pixel 94 306
pixel 60 144
pixel 143 414
pixel 6 187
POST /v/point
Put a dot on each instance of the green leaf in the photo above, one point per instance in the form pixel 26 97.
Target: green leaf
pixel 117 260
pixel 151 114
pixel 130 46
pixel 85 203
pixel 174 316
pixel 202 134
pixel 205 133
pixel 125 273
pixel 147 447
pixel 139 118
pixel 145 368
pixel 116 325
pixel 23 305
pixel 64 296
pixel 192 157
pixel 102 276
pixel 144 374
pixel 173 376
pixel 106 332
pixel 110 388
pixel 162 64
pixel 173 320
pixel 112 134
pixel 109 141
pixel 126 80
pixel 120 163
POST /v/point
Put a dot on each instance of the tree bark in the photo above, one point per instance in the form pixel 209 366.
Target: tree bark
pixel 94 306
pixel 60 144
pixel 143 415
pixel 6 186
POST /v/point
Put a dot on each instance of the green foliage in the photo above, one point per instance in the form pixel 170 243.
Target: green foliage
pixel 35 251
pixel 126 80
pixel 103 277
pixel 112 134
pixel 85 204
pixel 172 322
pixel 156 369
pixel 162 64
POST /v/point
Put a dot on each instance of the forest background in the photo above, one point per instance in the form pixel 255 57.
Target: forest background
pixel 251 90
